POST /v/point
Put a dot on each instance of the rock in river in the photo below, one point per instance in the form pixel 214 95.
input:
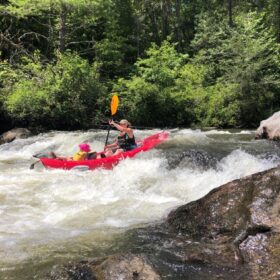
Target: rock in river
pixel 15 133
pixel 270 128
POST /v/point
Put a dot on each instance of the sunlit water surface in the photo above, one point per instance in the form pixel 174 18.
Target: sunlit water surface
pixel 50 216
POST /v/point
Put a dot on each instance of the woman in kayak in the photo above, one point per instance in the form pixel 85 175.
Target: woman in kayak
pixel 125 141
pixel 83 154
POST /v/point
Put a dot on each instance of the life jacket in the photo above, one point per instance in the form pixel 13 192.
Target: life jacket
pixel 80 155
pixel 125 142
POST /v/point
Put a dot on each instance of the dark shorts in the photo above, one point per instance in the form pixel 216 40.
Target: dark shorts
pixel 131 147
pixel 92 155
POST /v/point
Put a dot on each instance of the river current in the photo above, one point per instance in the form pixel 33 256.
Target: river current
pixel 55 216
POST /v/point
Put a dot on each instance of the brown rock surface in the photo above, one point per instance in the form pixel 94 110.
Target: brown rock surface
pixel 124 266
pixel 238 223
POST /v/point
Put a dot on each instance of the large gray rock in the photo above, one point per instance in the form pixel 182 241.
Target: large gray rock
pixel 270 128
pixel 15 133
pixel 238 225
pixel 231 233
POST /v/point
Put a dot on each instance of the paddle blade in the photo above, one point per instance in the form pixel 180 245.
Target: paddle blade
pixel 33 164
pixel 114 104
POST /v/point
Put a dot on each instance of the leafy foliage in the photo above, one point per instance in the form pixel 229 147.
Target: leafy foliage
pixel 246 56
pixel 63 95
pixel 210 63
pixel 147 96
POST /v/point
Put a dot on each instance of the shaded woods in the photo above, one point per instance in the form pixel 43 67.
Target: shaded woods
pixel 173 63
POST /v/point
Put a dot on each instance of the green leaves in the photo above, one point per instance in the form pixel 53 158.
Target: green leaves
pixel 147 96
pixel 62 95
pixel 244 56
pixel 173 62
pixel 161 65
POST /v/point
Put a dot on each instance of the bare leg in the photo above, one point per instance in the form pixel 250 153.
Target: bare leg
pixel 53 155
pixel 118 151
pixel 108 153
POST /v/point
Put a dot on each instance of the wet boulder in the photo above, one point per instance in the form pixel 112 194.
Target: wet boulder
pixel 192 159
pixel 269 128
pixel 15 133
pixel 261 252
pixel 238 225
pixel 126 267
pixel 123 266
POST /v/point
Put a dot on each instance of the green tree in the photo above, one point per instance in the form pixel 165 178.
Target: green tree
pixel 272 14
pixel 161 65
pixel 65 94
pixel 246 55
pixel 147 96
pixel 49 25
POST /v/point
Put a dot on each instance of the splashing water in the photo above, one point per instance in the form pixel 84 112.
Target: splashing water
pixel 54 214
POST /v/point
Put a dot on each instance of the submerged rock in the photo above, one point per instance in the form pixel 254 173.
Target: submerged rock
pixel 270 128
pixel 15 133
pixel 192 159
pixel 125 267
pixel 231 233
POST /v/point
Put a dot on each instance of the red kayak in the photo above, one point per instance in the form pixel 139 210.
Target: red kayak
pixel 109 162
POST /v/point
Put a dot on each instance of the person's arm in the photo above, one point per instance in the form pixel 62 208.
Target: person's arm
pixel 115 144
pixel 127 130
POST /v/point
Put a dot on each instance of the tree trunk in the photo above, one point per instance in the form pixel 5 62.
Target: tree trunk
pixel 152 15
pixel 230 16
pixel 62 28
pixel 138 34
pixel 51 39
pixel 165 19
pixel 179 36
pixel 278 22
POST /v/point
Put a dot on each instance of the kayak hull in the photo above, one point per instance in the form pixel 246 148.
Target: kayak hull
pixel 109 162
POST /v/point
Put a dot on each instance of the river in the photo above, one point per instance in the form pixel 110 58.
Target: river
pixel 55 216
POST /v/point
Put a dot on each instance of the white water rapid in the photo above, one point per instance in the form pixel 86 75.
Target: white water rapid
pixel 56 215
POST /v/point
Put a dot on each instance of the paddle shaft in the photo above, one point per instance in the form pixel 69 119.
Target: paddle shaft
pixel 106 142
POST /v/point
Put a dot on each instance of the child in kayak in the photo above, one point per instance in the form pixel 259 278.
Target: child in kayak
pixel 125 141
pixel 83 154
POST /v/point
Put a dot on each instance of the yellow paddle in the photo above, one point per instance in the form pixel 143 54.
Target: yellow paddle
pixel 114 108
pixel 114 104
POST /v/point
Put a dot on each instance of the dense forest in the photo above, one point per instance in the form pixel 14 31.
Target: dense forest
pixel 172 62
